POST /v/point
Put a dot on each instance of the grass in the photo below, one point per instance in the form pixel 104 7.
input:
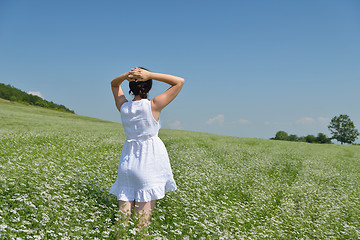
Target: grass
pixel 56 169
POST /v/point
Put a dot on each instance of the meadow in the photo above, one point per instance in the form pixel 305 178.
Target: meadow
pixel 56 170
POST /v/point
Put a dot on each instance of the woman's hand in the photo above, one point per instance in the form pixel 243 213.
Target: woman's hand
pixel 130 75
pixel 139 75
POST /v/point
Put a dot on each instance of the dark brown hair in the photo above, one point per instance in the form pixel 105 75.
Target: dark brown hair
pixel 140 88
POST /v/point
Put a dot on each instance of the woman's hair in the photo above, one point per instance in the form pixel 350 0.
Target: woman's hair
pixel 140 88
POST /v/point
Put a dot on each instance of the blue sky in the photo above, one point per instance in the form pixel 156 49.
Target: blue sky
pixel 251 68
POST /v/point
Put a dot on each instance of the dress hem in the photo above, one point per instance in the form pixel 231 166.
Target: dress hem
pixel 143 195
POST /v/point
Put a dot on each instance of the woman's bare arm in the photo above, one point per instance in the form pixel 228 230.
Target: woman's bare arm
pixel 119 95
pixel 161 101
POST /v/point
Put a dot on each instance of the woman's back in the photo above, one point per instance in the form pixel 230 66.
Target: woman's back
pixel 138 121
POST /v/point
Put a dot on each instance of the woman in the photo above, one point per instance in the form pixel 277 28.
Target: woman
pixel 144 172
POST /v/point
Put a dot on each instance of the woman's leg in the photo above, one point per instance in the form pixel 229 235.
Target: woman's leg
pixel 125 208
pixel 144 210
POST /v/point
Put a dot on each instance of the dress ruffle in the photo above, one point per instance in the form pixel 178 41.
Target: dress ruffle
pixel 142 195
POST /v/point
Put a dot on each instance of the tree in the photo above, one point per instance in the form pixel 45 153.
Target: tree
pixel 281 135
pixel 302 139
pixel 293 138
pixel 343 129
pixel 310 138
pixel 322 138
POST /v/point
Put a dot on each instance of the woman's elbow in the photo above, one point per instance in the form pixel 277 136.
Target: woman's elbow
pixel 113 83
pixel 181 81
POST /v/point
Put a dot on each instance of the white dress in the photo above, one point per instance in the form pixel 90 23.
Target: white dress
pixel 144 172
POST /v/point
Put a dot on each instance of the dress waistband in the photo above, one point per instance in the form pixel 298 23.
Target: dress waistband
pixel 140 139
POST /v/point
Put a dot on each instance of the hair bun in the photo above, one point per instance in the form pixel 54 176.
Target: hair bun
pixel 140 88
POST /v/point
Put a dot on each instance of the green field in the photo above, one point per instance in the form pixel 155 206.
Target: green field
pixel 56 169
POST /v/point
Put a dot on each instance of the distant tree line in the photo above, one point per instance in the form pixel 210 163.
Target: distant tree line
pixel 16 95
pixel 341 128
pixel 282 135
